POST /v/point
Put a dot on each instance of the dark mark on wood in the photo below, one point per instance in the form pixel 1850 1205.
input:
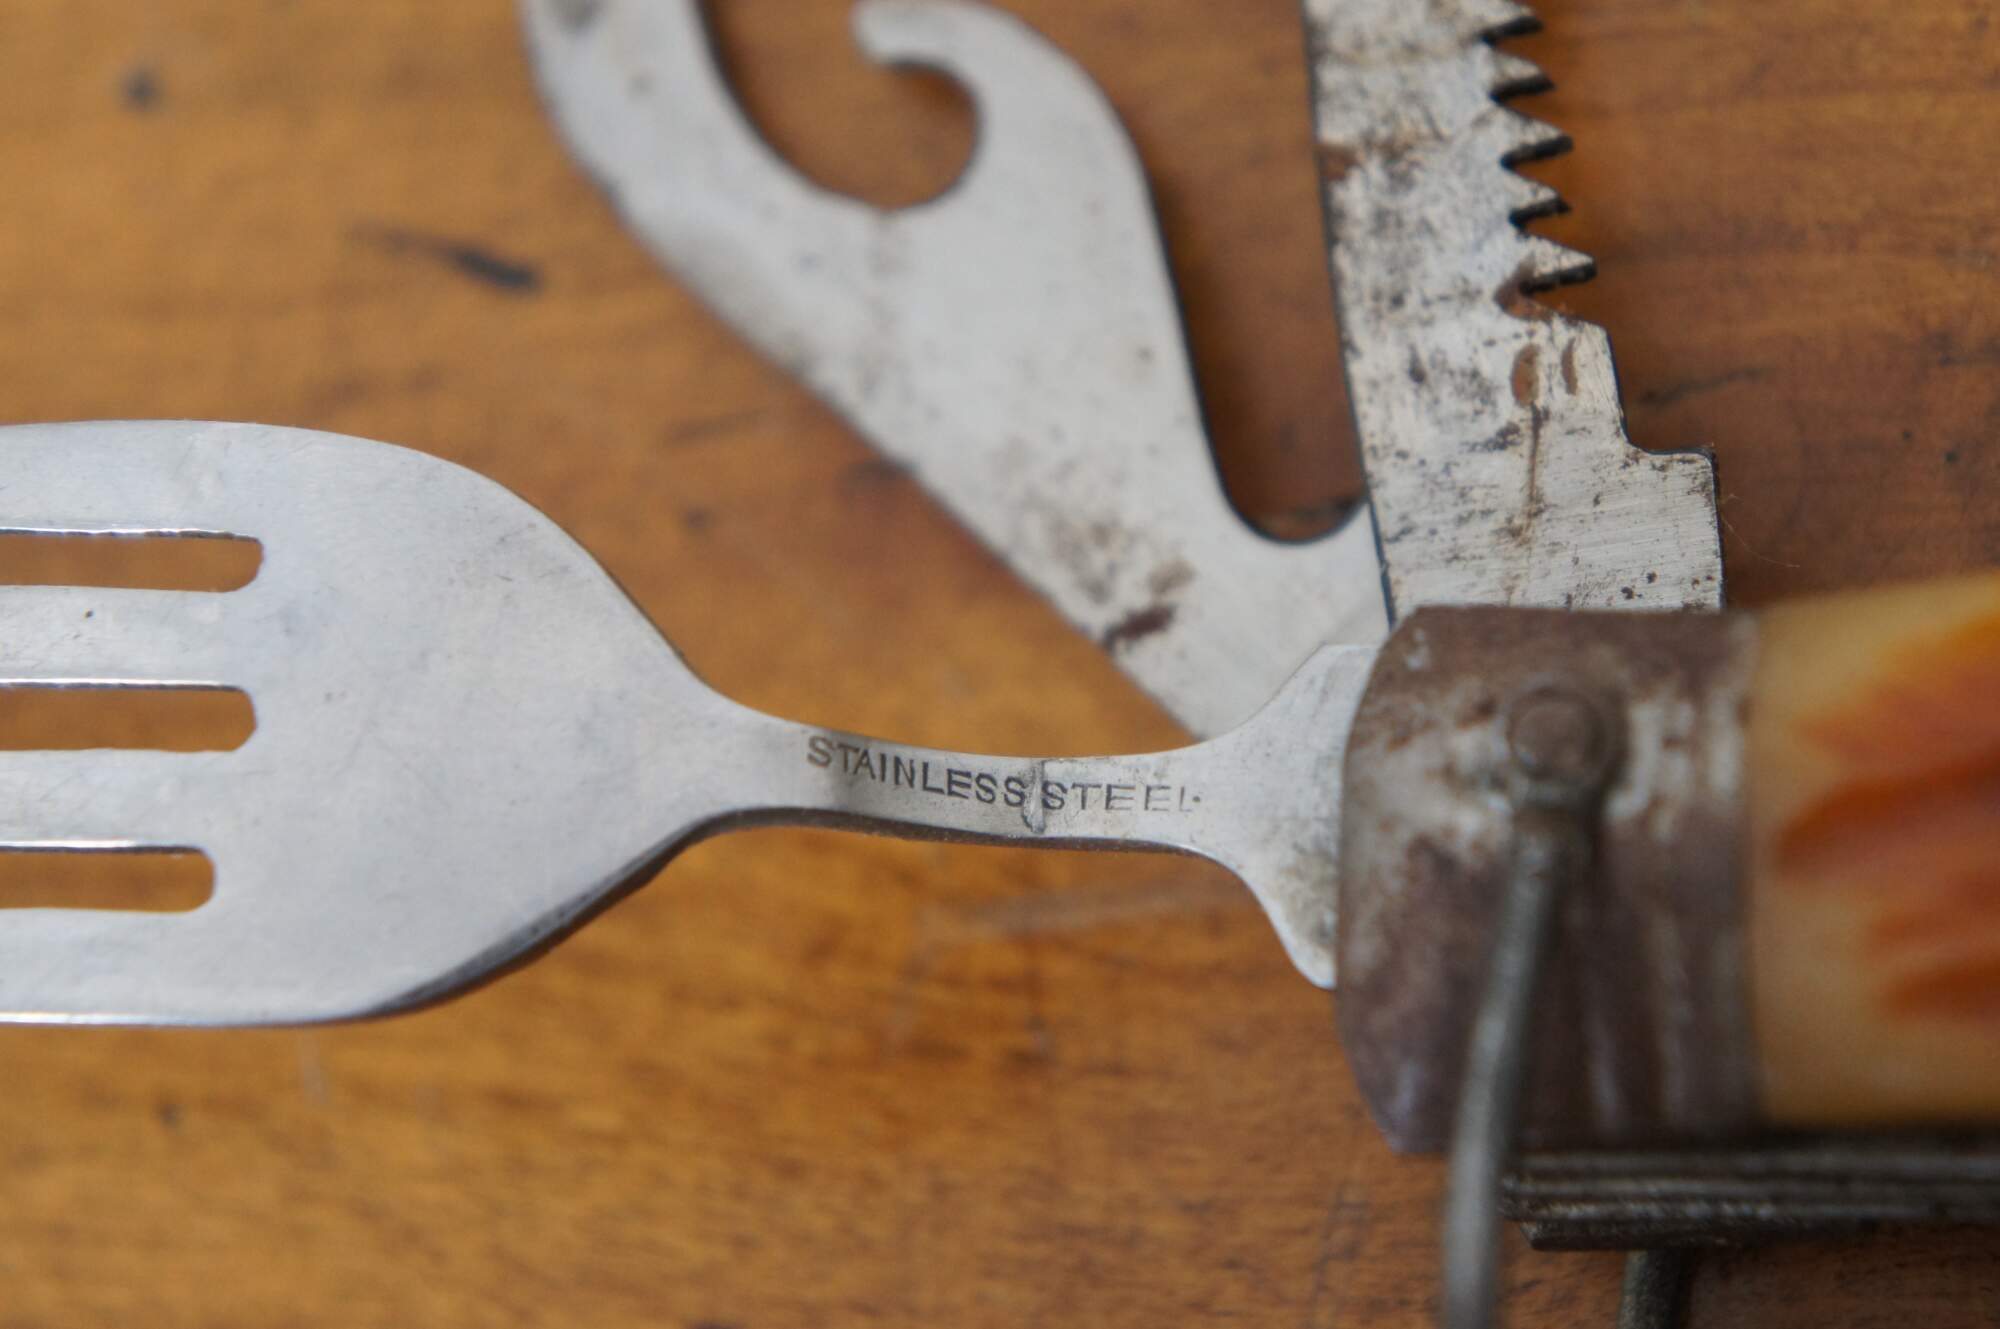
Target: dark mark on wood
pixel 1137 626
pixel 140 88
pixel 463 257
pixel 873 473
pixel 1950 351
pixel 1694 387
pixel 714 426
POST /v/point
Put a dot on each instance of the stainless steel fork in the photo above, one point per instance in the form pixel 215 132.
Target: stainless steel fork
pixel 467 738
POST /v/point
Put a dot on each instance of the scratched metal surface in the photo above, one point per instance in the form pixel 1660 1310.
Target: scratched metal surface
pixel 1498 462
pixel 1013 343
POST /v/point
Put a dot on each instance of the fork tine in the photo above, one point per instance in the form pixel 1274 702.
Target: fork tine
pixel 139 475
pixel 102 798
pixel 70 634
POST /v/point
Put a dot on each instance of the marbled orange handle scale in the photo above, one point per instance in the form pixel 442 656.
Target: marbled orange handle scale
pixel 1874 905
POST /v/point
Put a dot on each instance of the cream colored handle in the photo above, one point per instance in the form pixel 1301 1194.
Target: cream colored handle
pixel 1875 895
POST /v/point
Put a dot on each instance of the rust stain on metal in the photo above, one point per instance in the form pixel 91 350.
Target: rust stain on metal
pixel 1170 577
pixel 1335 161
pixel 1526 378
pixel 1526 383
pixel 1515 299
pixel 1137 626
pixel 1569 366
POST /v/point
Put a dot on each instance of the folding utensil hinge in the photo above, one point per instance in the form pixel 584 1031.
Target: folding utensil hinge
pixel 1660 1204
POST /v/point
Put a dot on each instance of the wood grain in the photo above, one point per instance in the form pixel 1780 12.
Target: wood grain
pixel 808 1079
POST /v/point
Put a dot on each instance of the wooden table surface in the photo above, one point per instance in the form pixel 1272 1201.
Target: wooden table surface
pixel 808 1079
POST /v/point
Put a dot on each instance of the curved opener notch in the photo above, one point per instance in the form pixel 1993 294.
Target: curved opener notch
pixel 1015 342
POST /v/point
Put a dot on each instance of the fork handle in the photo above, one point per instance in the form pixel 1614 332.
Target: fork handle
pixel 1262 800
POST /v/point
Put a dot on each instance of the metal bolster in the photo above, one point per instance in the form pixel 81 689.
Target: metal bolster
pixel 1641 1034
pixel 1599 795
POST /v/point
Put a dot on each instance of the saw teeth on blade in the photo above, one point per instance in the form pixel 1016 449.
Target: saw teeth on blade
pixel 1497 20
pixel 1528 199
pixel 1490 424
pixel 1533 139
pixel 1546 264
pixel 1514 76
